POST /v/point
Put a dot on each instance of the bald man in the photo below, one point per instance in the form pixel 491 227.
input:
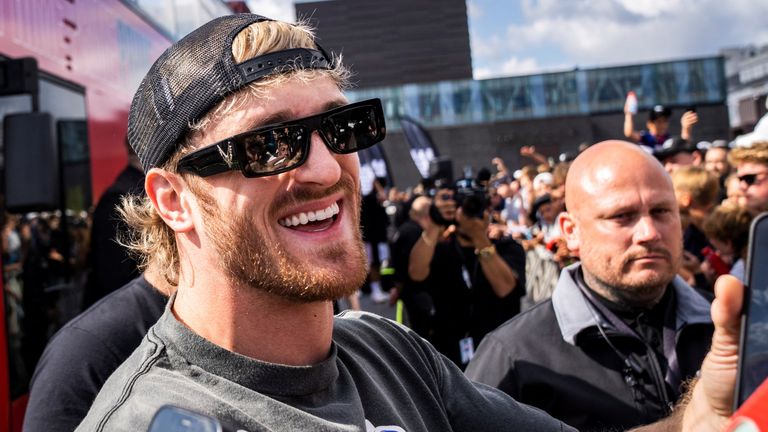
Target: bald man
pixel 622 332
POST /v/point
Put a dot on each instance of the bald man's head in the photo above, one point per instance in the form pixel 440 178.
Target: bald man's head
pixel 598 166
pixel 623 221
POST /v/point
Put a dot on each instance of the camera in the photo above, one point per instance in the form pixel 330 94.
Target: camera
pixel 468 195
pixel 471 197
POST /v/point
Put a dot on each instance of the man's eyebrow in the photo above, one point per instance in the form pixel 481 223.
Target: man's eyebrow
pixel 286 116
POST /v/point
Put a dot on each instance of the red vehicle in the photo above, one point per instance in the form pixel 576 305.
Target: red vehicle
pixel 83 62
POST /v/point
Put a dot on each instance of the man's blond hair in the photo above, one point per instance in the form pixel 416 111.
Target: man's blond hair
pixel 699 183
pixel 151 240
pixel 756 153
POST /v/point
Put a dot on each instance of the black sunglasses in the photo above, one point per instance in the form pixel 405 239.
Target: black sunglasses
pixel 280 147
pixel 749 179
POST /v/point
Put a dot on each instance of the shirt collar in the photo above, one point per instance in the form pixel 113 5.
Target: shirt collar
pixel 575 314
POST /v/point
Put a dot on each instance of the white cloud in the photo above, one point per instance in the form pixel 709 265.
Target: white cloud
pixel 518 66
pixel 591 33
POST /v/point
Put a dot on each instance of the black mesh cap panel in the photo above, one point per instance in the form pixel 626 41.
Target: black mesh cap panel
pixel 185 82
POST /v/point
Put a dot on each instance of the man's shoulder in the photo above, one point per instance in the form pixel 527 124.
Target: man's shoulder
pixel 123 316
pixel 129 311
pixel 362 326
pixel 137 388
pixel 531 325
pixel 373 337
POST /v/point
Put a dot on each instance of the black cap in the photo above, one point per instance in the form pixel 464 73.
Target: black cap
pixel 193 75
pixel 540 201
pixel 659 111
pixel 673 146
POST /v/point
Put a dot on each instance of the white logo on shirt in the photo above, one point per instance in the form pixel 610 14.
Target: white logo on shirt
pixel 369 427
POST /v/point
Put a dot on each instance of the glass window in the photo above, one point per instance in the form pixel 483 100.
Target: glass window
pixel 44 254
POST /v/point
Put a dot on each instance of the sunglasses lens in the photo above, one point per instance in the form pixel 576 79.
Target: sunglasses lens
pixel 353 129
pixel 274 150
pixel 749 179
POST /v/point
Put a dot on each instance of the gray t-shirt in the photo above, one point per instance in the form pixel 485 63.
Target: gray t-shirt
pixel 379 376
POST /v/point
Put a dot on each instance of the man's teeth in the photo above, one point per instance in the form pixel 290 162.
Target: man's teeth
pixel 315 216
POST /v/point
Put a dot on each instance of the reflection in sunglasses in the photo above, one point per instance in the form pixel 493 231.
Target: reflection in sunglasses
pixel 274 149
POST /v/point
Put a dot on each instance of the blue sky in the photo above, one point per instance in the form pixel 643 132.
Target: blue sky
pixel 517 37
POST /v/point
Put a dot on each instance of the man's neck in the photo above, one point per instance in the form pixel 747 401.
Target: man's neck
pixel 619 296
pixel 257 324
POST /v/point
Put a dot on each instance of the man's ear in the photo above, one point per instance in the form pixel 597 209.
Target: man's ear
pixel 569 230
pixel 698 158
pixel 169 196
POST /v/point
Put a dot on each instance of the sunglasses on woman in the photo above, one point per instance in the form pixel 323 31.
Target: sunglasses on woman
pixel 280 147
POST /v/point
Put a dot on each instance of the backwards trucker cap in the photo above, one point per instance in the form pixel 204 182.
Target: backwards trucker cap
pixel 196 73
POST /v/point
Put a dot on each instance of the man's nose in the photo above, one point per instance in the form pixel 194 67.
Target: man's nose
pixel 322 167
pixel 646 230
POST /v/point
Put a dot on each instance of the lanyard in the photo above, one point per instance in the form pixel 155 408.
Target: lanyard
pixel 673 375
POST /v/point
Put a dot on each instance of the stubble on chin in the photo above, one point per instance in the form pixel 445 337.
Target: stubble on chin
pixel 249 261
pixel 626 286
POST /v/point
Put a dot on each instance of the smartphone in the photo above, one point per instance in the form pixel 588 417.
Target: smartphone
pixel 753 347
pixel 171 418
pixel 691 108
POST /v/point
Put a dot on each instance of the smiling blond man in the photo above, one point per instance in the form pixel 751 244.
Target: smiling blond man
pixel 258 251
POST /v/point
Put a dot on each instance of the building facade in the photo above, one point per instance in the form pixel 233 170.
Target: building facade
pixel 395 42
pixel 746 71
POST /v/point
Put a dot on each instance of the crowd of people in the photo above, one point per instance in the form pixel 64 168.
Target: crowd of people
pixel 564 294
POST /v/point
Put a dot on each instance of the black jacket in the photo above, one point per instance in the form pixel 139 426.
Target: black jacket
pixel 553 357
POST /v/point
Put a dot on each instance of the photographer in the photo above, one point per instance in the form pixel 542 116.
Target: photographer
pixel 476 282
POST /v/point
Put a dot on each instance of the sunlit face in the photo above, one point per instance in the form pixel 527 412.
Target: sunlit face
pixel 659 126
pixel 294 234
pixel 628 232
pixel 756 194
pixel 678 160
pixel 716 161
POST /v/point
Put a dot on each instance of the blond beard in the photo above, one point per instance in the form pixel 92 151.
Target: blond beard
pixel 249 262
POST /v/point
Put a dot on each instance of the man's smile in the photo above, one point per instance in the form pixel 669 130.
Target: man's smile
pixel 312 220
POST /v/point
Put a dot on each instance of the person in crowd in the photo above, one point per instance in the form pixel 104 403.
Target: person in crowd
pixel 541 269
pixel 727 227
pixel 502 174
pixel 374 222
pixel 657 131
pixel 751 165
pixel 112 264
pixel 622 333
pixel 716 162
pixel 531 153
pixel 415 295
pixel 85 351
pixel 716 159
pixel 675 153
pixel 514 213
pixel 542 185
pixel 249 336
pixel 734 194
pixel 476 282
pixel 696 190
